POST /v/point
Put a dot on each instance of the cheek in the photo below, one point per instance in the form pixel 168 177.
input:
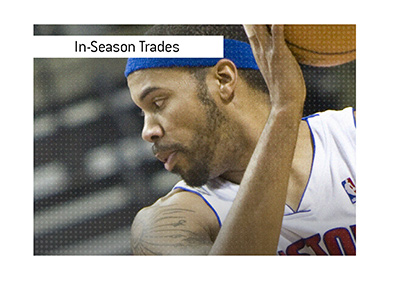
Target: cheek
pixel 184 122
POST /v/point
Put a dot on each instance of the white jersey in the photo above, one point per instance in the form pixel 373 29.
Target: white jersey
pixel 325 221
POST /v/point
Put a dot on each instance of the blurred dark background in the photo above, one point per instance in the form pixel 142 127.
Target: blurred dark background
pixel 92 171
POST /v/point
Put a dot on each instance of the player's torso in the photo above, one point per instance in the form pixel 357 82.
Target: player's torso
pixel 324 222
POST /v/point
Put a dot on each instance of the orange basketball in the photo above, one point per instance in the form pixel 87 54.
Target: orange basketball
pixel 322 45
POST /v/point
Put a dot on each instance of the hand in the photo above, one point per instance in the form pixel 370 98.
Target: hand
pixel 277 64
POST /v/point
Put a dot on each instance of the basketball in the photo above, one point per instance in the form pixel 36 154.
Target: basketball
pixel 322 45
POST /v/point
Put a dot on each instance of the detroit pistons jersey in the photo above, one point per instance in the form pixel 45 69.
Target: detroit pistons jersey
pixel 325 221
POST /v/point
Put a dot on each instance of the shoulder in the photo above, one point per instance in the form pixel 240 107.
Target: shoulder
pixel 180 200
pixel 179 223
pixel 334 122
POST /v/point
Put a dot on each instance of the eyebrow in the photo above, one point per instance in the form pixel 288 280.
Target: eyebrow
pixel 146 92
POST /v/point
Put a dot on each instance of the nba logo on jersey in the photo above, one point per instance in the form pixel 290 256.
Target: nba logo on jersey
pixel 350 189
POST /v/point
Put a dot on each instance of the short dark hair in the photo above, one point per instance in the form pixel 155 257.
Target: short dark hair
pixel 252 77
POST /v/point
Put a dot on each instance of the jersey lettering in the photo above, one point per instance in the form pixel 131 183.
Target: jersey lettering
pixel 313 242
pixel 353 230
pixel 337 241
pixel 294 248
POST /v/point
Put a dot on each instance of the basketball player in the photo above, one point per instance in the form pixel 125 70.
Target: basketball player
pixel 257 178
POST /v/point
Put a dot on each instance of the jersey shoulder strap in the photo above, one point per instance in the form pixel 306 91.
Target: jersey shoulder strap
pixel 217 193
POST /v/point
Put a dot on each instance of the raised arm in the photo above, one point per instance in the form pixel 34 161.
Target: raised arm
pixel 254 222
pixel 183 224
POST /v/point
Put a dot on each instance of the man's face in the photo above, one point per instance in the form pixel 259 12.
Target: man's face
pixel 181 120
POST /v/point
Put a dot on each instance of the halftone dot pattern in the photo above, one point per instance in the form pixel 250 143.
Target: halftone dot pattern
pixel 92 171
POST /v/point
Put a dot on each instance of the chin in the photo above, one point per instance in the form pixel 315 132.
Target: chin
pixel 195 183
pixel 195 178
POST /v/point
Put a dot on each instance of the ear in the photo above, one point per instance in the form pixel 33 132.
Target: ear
pixel 226 73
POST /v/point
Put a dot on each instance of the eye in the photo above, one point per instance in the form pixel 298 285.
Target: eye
pixel 158 102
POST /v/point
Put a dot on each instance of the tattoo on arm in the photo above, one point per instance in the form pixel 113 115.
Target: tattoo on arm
pixel 168 230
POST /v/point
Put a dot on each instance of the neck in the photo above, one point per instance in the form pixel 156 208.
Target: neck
pixel 241 160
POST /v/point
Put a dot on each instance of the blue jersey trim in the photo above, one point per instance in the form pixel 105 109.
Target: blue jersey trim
pixel 298 212
pixel 310 116
pixel 354 118
pixel 194 192
pixel 312 164
pixel 290 209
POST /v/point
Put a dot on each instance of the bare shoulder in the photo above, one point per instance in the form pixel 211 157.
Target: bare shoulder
pixel 177 224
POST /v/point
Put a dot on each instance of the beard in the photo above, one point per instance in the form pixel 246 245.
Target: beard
pixel 196 175
pixel 197 171
pixel 203 147
pixel 200 154
pixel 198 162
pixel 195 162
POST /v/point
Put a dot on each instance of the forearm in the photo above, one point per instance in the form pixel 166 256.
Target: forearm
pixel 254 221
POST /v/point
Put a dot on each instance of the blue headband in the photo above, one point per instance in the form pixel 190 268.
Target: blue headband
pixel 238 52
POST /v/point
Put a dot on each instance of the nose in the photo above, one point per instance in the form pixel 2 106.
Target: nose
pixel 152 130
